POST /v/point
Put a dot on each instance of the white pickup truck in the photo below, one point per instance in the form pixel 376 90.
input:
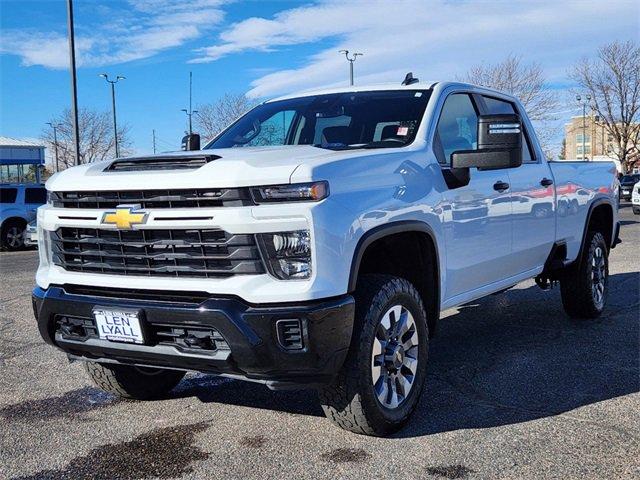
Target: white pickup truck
pixel 314 243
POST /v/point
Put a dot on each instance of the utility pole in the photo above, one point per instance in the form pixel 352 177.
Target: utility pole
pixel 153 132
pixel 113 107
pixel 584 120
pixel 351 62
pixel 190 112
pixel 74 86
pixel 55 143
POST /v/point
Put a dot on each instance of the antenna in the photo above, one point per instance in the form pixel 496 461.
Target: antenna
pixel 409 79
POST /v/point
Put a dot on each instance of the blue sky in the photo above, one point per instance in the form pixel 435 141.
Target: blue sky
pixel 265 48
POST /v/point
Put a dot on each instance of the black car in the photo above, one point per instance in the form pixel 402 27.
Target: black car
pixel 626 185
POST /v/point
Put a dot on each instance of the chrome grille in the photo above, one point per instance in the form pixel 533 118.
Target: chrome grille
pixel 206 253
pixel 192 198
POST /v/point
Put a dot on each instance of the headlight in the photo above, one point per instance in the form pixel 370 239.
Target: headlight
pixel 288 254
pixel 297 192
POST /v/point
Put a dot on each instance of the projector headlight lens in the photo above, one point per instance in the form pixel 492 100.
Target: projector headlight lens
pixel 288 254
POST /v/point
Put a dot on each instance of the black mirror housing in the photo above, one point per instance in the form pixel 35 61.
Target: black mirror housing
pixel 499 144
pixel 191 142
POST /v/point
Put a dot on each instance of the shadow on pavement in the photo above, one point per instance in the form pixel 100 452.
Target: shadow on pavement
pixel 504 359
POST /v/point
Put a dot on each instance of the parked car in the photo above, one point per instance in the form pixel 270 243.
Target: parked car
pixel 626 185
pixel 635 199
pixel 18 205
pixel 314 243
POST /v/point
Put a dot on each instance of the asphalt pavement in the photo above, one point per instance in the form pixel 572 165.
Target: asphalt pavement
pixel 515 390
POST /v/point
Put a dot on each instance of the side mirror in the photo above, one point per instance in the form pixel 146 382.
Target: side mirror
pixel 499 144
pixel 191 142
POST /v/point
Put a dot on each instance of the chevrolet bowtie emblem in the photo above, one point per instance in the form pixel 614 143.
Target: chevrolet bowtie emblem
pixel 124 217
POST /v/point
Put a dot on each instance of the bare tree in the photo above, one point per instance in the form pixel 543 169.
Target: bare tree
pixel 212 118
pixel 96 137
pixel 525 82
pixel 613 80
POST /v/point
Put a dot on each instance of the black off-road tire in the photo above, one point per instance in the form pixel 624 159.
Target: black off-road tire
pixel 350 401
pixel 577 283
pixel 132 382
pixel 11 235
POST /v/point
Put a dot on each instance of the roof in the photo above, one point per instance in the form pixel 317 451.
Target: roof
pixel 15 142
pixel 360 88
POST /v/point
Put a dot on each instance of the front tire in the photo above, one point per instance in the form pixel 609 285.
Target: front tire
pixel 381 381
pixel 584 286
pixel 131 382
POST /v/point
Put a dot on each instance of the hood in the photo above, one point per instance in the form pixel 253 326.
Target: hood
pixel 233 167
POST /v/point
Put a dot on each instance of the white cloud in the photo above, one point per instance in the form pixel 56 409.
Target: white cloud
pixel 114 36
pixel 435 39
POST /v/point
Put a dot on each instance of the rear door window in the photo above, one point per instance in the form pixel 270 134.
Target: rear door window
pixel 8 195
pixel 35 195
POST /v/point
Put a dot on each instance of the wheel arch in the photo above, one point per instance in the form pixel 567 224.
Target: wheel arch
pixel 416 235
pixel 600 215
pixel 13 219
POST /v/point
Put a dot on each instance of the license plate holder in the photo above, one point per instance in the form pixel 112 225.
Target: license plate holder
pixel 122 325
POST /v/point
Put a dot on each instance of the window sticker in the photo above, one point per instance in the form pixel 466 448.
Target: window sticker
pixel 403 131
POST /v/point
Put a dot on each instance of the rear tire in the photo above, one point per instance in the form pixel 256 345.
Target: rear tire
pixel 12 235
pixel 381 381
pixel 636 211
pixel 131 382
pixel 584 286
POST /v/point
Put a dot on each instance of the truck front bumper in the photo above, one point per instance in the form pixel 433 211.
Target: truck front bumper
pixel 223 336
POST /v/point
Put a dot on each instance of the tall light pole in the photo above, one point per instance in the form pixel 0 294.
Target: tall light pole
pixel 351 61
pixel 190 111
pixel 189 114
pixel 74 87
pixel 113 107
pixel 584 104
pixel 55 142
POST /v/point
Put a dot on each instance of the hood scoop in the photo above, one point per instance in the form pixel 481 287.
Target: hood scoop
pixel 160 163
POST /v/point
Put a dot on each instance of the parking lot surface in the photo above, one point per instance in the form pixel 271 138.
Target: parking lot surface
pixel 515 390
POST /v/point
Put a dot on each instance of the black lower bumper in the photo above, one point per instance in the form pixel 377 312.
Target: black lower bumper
pixel 249 345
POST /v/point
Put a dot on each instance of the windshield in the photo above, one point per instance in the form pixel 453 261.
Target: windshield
pixel 335 121
pixel 630 178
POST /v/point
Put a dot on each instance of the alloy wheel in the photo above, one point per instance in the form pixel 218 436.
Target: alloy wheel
pixel 14 237
pixel 394 357
pixel 598 276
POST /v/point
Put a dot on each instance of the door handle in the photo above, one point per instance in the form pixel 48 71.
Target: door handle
pixel 546 182
pixel 500 186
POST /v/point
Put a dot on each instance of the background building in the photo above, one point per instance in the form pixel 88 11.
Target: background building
pixel 21 161
pixel 597 142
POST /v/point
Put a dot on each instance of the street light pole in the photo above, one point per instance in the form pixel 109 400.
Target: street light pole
pixel 190 112
pixel 584 122
pixel 113 107
pixel 351 62
pixel 74 86
pixel 55 143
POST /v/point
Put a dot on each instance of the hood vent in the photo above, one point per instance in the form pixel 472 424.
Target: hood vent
pixel 160 163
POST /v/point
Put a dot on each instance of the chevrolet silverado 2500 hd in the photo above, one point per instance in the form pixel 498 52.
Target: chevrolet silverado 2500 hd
pixel 314 243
